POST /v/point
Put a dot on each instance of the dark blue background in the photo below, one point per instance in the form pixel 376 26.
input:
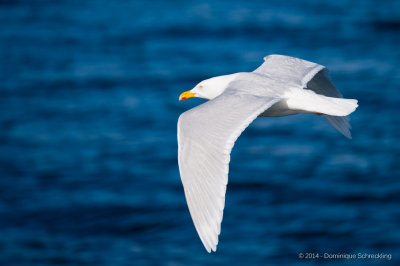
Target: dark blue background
pixel 88 110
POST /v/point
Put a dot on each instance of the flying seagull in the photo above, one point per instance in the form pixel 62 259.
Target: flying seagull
pixel 281 86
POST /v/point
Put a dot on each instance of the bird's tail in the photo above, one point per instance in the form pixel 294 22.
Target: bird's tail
pixel 334 109
pixel 311 102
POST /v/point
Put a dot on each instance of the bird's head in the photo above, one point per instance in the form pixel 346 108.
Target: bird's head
pixel 209 88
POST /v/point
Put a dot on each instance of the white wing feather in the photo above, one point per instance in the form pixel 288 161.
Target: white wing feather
pixel 322 84
pixel 289 69
pixel 206 135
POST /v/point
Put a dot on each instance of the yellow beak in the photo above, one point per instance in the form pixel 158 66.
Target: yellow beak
pixel 186 95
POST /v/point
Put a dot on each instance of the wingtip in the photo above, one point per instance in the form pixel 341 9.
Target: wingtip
pixel 211 248
pixel 349 135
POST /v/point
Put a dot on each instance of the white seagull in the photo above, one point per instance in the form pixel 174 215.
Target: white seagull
pixel 281 86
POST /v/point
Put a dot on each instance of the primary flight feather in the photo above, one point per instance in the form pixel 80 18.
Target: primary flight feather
pixel 281 86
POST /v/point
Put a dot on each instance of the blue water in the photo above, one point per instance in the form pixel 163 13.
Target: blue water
pixel 88 152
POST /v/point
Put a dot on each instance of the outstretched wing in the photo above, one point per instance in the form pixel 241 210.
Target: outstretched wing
pixel 289 69
pixel 206 135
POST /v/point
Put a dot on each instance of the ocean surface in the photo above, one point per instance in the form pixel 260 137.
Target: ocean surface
pixel 88 149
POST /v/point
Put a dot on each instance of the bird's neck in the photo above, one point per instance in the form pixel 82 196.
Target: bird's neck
pixel 219 84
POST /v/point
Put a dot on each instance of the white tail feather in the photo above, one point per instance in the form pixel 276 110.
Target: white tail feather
pixel 308 101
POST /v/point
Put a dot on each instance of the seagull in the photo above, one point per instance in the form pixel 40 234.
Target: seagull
pixel 281 86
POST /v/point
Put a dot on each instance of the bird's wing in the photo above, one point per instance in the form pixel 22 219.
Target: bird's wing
pixel 307 75
pixel 289 69
pixel 322 84
pixel 206 135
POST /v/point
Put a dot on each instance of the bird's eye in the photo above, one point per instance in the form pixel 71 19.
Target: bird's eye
pixel 200 86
